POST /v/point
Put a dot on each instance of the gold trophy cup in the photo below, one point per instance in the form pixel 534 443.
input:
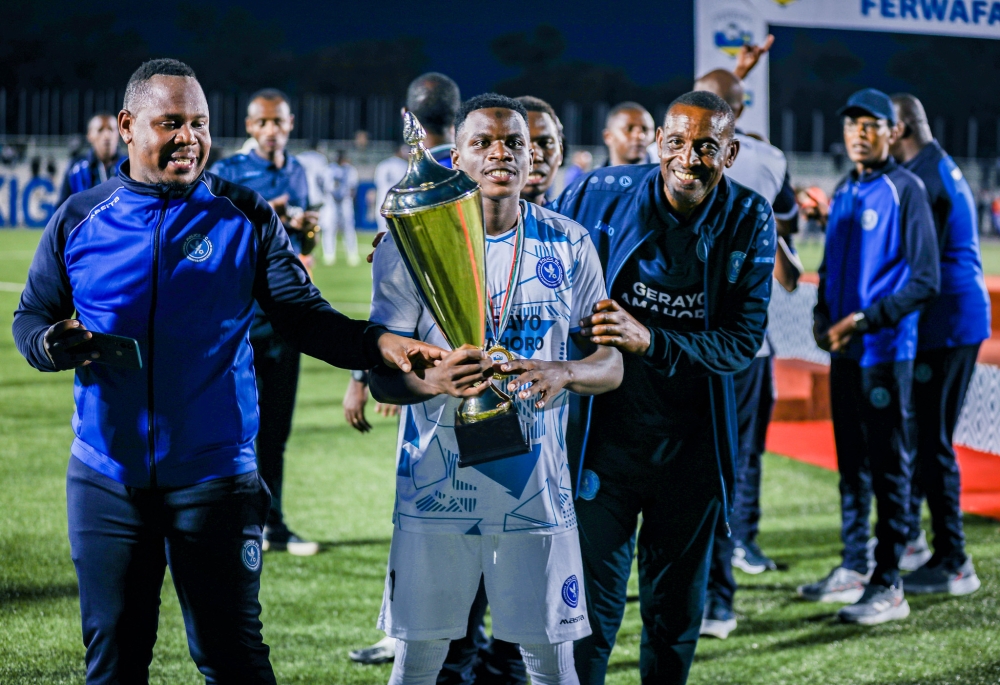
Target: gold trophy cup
pixel 435 216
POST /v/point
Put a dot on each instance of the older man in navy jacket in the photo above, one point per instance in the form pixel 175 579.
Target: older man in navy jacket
pixel 688 256
pixel 880 265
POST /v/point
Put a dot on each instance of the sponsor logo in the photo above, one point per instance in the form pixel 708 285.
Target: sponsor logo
pixel 625 181
pixel 590 483
pixel 250 554
pixel 922 373
pixel 731 31
pixel 609 179
pixel 550 272
pixel 197 248
pixel 869 219
pixel 106 205
pixel 880 398
pixel 594 179
pixel 571 592
pixel 736 260
pixel 571 621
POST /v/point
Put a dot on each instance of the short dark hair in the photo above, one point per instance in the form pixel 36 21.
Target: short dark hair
pixel 627 106
pixel 269 94
pixel 488 101
pixel 533 104
pixel 434 99
pixel 138 87
pixel 702 99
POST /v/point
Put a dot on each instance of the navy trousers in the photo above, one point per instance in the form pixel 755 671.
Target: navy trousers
pixel 679 510
pixel 754 403
pixel 875 431
pixel 941 379
pixel 276 366
pixel 122 539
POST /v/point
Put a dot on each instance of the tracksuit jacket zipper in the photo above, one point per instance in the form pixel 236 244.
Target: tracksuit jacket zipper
pixel 149 344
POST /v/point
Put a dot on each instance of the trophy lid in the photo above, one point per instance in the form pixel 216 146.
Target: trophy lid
pixel 426 183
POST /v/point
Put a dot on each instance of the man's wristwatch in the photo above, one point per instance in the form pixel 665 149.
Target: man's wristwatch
pixel 860 322
pixel 360 376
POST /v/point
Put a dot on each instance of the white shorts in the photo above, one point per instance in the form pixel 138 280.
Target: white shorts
pixel 534 584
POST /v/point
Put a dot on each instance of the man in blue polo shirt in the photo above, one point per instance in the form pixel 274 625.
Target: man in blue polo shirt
pixel 282 182
pixel 101 160
pixel 688 257
pixel 880 266
pixel 952 327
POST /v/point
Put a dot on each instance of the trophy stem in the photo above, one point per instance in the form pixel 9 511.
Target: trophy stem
pixel 490 404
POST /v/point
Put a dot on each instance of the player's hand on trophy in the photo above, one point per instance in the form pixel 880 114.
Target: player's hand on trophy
pixel 62 341
pixel 354 405
pixel 613 326
pixel 465 372
pixel 537 378
pixel 407 354
pixel 280 207
pixel 375 242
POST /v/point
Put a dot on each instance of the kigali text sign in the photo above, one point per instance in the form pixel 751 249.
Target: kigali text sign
pixel 722 26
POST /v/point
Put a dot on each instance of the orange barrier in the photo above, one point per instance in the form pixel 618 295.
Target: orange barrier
pixel 812 442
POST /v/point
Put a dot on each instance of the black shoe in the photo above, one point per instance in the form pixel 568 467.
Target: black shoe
pixel 287 541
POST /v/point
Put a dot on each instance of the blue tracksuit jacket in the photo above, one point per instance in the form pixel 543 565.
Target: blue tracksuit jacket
pixel 178 270
pixel 960 314
pixel 881 258
pixel 736 228
pixel 84 173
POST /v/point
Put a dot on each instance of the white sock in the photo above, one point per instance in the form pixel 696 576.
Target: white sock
pixel 550 664
pixel 419 661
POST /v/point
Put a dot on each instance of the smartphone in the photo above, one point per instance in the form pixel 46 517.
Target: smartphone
pixel 116 350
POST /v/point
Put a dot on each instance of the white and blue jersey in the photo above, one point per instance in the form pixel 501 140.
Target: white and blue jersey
pixel 560 280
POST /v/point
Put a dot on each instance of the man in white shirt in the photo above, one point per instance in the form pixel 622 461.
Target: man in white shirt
pixel 511 521
pixel 337 215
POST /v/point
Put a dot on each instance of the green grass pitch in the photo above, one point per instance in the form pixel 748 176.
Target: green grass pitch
pixel 339 489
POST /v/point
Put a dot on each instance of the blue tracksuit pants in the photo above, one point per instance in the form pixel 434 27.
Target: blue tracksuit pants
pixel 874 427
pixel 122 539
pixel 941 378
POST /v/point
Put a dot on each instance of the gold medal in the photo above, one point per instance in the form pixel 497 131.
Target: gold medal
pixel 499 355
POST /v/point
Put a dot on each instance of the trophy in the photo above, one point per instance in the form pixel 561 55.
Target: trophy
pixel 436 219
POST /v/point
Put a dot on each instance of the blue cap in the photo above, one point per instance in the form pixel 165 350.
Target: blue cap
pixel 871 102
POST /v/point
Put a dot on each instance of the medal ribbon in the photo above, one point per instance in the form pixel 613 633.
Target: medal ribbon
pixel 499 320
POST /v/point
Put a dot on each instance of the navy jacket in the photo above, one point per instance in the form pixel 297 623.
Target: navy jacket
pixel 736 228
pixel 84 173
pixel 881 258
pixel 178 270
pixel 258 174
pixel 960 314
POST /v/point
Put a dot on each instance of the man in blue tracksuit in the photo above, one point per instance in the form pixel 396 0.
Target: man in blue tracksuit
pixel 880 266
pixel 951 329
pixel 281 181
pixel 162 468
pixel 100 161
pixel 688 256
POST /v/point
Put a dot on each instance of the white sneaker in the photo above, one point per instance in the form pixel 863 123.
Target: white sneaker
pixel 329 259
pixel 842 585
pixel 878 604
pixel 917 554
pixel 936 579
pixel 353 259
pixel 382 652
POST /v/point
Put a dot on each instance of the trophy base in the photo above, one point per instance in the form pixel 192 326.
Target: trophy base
pixel 490 439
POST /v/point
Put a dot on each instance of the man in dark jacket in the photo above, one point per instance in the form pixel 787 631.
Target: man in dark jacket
pixel 688 257
pixel 952 327
pixel 880 265
pixel 163 470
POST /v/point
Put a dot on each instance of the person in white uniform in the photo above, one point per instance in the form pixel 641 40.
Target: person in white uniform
pixel 337 215
pixel 512 521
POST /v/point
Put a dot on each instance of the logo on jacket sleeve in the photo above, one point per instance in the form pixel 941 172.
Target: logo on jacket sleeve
pixel 590 483
pixel 869 219
pixel 571 592
pixel 736 260
pixel 550 272
pixel 251 555
pixel 197 247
